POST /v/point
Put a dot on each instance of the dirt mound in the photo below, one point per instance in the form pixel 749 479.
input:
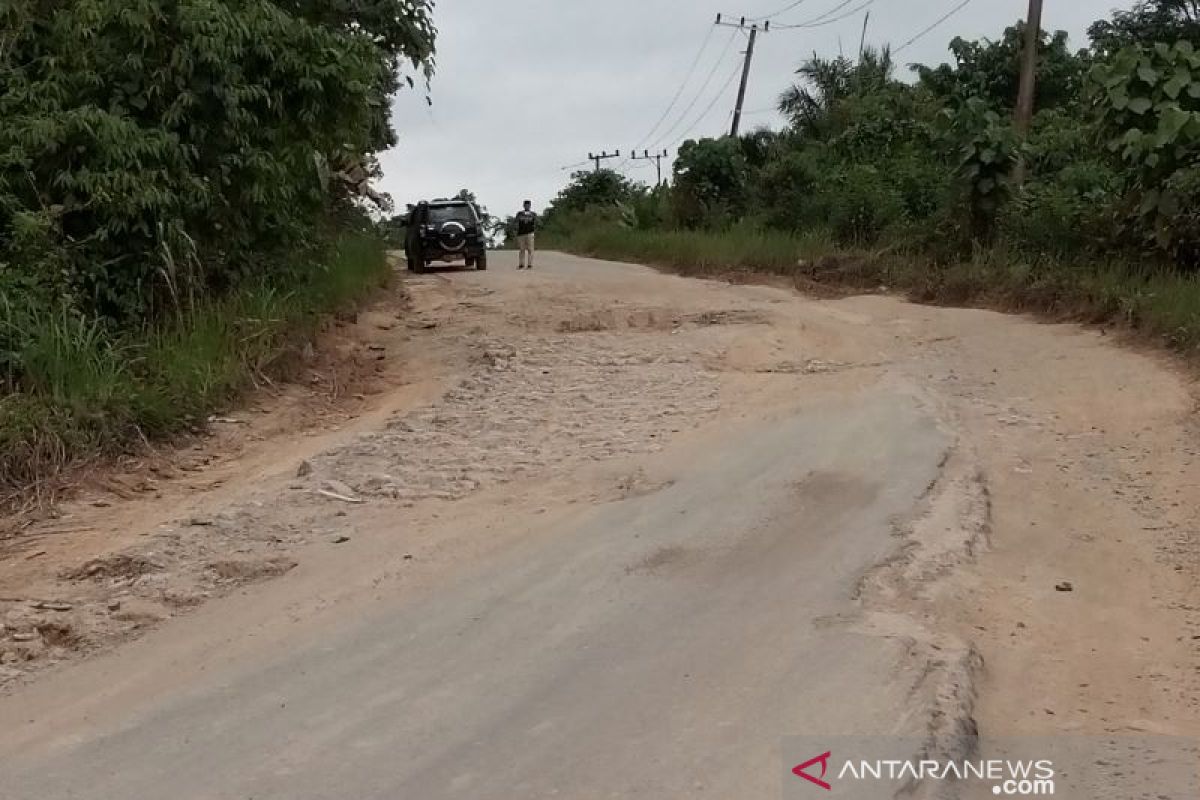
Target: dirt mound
pixel 654 319
pixel 244 571
pixel 61 634
pixel 728 317
pixel 110 567
pixel 615 320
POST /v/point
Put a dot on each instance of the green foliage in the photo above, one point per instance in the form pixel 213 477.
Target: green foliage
pixel 787 189
pixel 1149 101
pixel 1065 216
pixel 759 147
pixel 586 190
pixel 152 147
pixel 878 182
pixel 651 210
pixel 923 184
pixel 695 252
pixel 171 175
pixel 862 203
pixel 1059 139
pixel 1183 235
pixel 79 388
pixel 933 166
pixel 1157 303
pixel 710 181
pixel 825 83
pixel 879 126
pixel 1148 22
pixel 990 71
pixel 1069 205
pixel 393 230
pixel 987 156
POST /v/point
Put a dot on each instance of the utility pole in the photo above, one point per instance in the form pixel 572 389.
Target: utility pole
pixel 862 41
pixel 741 98
pixel 655 157
pixel 1033 35
pixel 602 157
pixel 1025 95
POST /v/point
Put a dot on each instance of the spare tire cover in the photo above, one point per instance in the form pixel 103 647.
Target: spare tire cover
pixel 453 235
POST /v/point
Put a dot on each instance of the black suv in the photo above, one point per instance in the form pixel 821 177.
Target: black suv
pixel 445 230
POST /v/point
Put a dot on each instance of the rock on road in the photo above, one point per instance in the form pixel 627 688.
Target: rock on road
pixel 651 527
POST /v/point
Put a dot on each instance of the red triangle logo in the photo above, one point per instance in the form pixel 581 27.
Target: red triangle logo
pixel 823 760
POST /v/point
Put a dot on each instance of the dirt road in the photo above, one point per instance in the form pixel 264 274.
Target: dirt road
pixel 612 533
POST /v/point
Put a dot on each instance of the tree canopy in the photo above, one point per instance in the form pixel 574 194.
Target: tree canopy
pixel 1147 22
pixel 155 148
pixel 1111 164
pixel 990 70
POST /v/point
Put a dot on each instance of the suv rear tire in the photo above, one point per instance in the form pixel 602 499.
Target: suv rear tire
pixel 481 263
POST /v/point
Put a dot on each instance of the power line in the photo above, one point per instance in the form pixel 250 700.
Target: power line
pixel 820 17
pixel 826 19
pixel 679 93
pixel 939 21
pixel 683 116
pixel 774 14
pixel 704 115
pixel 562 169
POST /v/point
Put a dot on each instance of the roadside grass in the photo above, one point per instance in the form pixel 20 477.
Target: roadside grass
pixel 1157 303
pixel 696 252
pixel 74 390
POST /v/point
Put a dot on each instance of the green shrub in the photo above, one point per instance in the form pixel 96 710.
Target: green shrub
pixel 1060 139
pixel 1067 215
pixel 787 190
pixel 155 147
pixel 652 210
pixel 695 252
pixel 1149 99
pixel 862 204
pixel 81 386
pixel 988 151
pixel 1184 185
pixel 711 182
pixel 924 186
pixel 1156 302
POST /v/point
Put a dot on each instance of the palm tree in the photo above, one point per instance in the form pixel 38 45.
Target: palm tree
pixel 826 81
pixel 874 70
pixel 823 82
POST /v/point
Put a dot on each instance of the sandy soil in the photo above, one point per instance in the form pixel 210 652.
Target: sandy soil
pixel 1044 579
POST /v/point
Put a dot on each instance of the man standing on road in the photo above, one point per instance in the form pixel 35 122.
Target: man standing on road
pixel 526 228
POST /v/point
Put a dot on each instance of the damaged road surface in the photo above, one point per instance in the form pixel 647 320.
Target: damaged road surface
pixel 649 528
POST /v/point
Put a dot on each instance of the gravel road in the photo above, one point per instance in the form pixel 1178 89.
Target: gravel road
pixel 602 532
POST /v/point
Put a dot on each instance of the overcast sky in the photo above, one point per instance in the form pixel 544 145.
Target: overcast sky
pixel 526 88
